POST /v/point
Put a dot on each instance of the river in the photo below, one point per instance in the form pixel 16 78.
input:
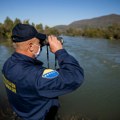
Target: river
pixel 99 96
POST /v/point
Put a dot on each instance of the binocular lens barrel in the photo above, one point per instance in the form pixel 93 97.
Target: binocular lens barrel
pixel 45 42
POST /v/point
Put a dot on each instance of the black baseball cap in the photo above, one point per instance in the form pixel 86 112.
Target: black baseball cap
pixel 24 32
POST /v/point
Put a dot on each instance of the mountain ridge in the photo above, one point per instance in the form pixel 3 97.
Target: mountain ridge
pixel 97 22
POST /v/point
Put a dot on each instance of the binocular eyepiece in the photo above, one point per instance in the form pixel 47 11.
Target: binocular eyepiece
pixel 45 41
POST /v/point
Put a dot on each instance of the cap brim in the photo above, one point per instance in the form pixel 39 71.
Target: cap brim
pixel 41 36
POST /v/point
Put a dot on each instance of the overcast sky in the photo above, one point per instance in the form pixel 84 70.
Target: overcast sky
pixel 56 12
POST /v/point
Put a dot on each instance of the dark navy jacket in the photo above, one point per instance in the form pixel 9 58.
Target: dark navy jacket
pixel 32 89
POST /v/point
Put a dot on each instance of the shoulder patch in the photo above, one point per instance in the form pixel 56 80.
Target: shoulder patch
pixel 49 74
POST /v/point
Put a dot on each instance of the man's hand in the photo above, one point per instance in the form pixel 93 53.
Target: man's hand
pixel 55 44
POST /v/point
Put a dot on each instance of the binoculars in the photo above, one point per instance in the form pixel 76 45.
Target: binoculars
pixel 45 41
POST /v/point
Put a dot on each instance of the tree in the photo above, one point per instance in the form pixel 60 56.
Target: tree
pixel 1 31
pixel 39 28
pixel 54 31
pixel 47 29
pixel 33 24
pixel 70 31
pixel 73 32
pixel 8 25
pixel 113 32
pixel 16 21
pixel 26 22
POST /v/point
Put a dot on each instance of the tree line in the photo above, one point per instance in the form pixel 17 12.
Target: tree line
pixel 111 32
pixel 7 26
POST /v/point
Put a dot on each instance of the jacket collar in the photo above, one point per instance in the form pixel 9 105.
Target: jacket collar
pixel 22 57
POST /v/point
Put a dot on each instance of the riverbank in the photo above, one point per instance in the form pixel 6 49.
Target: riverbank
pixel 8 114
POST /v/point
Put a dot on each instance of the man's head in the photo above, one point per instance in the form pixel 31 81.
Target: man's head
pixel 27 40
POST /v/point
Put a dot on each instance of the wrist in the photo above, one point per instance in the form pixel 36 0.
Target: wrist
pixel 58 51
pixel 61 55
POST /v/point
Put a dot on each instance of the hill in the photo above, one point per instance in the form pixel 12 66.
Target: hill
pixel 98 22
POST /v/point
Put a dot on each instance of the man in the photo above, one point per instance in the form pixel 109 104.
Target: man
pixel 32 89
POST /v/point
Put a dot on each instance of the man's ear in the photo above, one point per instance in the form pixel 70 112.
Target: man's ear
pixel 30 47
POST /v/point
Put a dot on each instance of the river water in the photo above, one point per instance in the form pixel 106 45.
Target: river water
pixel 99 96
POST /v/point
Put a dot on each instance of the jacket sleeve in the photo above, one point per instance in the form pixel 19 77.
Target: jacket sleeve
pixel 68 78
